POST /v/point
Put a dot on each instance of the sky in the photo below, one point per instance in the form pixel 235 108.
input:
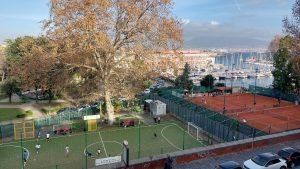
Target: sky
pixel 206 23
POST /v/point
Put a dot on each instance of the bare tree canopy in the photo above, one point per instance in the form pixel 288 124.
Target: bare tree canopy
pixel 107 40
pixel 292 28
pixel 274 44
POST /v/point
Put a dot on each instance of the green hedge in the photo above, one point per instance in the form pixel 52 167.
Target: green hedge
pixel 23 115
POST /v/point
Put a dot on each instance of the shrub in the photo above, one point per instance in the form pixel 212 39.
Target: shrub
pixel 44 110
pixel 21 115
pixel 28 113
pixel 137 109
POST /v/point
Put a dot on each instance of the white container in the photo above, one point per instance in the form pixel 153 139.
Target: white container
pixel 158 108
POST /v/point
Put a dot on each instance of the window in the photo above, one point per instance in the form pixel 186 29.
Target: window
pixel 296 155
pixel 273 162
pixel 283 153
pixel 259 161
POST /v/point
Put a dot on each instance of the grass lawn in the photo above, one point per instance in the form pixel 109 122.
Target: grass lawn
pixel 9 113
pixel 170 137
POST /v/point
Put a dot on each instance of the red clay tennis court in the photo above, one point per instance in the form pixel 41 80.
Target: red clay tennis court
pixel 268 114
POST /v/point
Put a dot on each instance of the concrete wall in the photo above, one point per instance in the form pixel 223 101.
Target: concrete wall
pixel 157 162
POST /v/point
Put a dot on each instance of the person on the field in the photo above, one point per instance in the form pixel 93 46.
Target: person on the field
pixel 25 157
pixel 48 136
pixel 87 153
pixel 37 147
pixel 98 151
pixel 67 149
pixel 155 135
pixel 158 119
pixel 39 134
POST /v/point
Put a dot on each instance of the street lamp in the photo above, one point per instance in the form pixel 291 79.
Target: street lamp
pixel 224 108
pixel 252 132
pixel 232 76
pixel 254 99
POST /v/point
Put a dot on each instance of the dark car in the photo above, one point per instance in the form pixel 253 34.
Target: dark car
pixel 291 155
pixel 229 165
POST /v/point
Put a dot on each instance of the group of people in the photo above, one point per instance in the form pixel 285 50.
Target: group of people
pixel 89 154
pixel 156 119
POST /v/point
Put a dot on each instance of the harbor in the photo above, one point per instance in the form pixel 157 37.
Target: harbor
pixel 238 69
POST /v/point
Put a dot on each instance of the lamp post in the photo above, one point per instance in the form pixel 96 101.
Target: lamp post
pixel 224 108
pixel 232 76
pixel 253 131
pixel 254 98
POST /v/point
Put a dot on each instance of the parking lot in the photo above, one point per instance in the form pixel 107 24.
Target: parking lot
pixel 240 157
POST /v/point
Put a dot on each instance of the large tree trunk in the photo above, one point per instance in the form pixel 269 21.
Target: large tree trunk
pixel 36 94
pixel 109 106
pixel 50 95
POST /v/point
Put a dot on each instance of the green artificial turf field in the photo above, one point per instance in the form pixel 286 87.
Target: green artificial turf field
pixel 170 137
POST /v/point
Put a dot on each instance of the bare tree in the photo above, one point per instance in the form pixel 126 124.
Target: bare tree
pixel 104 40
pixel 292 28
pixel 274 44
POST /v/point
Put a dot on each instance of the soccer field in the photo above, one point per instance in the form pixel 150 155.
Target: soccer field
pixel 170 137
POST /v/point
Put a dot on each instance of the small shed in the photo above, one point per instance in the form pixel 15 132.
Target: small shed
pixel 158 108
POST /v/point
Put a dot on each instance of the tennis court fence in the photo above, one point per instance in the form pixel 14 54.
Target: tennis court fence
pixel 270 92
pixel 218 125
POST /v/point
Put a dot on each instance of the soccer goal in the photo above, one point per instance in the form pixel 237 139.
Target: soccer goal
pixel 24 129
pixel 128 121
pixel 62 129
pixel 194 130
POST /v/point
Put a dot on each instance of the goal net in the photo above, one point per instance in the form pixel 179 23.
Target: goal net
pixel 128 121
pixel 62 129
pixel 194 130
pixel 24 129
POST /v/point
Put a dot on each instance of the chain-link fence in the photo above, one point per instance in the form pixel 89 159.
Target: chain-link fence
pixel 270 92
pixel 66 115
pixel 214 123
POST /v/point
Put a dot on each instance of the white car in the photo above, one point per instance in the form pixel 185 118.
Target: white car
pixel 147 91
pixel 265 161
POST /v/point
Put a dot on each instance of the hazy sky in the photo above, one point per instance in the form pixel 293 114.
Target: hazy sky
pixel 207 23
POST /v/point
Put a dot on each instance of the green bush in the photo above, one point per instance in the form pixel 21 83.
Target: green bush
pixel 28 113
pixel 137 109
pixel 118 105
pixel 44 110
pixel 21 115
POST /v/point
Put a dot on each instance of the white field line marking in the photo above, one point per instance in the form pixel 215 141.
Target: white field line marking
pixel 189 134
pixel 167 139
pixel 78 134
pixel 103 145
pixel 84 151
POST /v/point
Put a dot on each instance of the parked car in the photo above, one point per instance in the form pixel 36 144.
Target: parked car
pixel 229 165
pixel 147 91
pixel 265 161
pixel 291 155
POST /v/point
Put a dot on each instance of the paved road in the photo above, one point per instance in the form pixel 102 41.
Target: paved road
pixel 240 157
